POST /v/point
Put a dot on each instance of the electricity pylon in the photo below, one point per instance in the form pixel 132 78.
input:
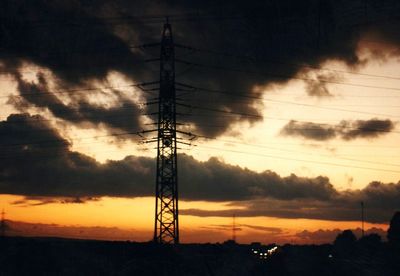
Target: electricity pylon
pixel 166 227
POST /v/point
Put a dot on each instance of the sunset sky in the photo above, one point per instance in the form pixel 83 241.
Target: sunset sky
pixel 296 109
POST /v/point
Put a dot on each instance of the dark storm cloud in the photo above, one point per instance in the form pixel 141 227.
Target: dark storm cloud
pixel 21 131
pixel 37 162
pixel 309 130
pixel 68 39
pixel 64 37
pixel 346 130
pixel 365 129
pixel 75 41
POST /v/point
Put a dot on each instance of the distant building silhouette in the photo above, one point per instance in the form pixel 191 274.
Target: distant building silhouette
pixel 362 218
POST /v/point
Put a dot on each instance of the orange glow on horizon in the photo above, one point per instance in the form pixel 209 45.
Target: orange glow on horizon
pixel 134 218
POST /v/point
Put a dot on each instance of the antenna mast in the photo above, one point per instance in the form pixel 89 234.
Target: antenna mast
pixel 362 218
pixel 234 228
pixel 3 224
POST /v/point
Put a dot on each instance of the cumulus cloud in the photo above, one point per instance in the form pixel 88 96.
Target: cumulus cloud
pixel 309 130
pixel 83 41
pixel 365 129
pixel 346 130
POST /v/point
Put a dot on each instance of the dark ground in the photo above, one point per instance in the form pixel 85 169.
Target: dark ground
pixel 55 256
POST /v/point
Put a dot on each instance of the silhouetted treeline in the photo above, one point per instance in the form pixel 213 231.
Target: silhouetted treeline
pixel 369 255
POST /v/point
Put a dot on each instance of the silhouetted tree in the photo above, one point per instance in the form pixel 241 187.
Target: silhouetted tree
pixel 344 243
pixel 345 238
pixel 393 249
pixel 371 242
pixel 393 234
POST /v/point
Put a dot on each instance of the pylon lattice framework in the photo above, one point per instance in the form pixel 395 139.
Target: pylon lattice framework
pixel 166 228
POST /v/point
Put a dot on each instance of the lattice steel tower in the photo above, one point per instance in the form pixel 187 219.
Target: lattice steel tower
pixel 166 228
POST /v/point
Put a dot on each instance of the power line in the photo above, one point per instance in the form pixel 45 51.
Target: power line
pixel 78 139
pixel 262 60
pixel 88 118
pixel 139 133
pixel 295 151
pixel 143 19
pixel 64 68
pixel 245 100
pixel 241 94
pixel 299 160
pixel 279 76
pixel 68 91
pixel 91 142
pixel 349 96
pixel 57 141
pixel 197 125
pixel 64 90
pixel 235 94
pixel 338 145
pixel 227 112
pixel 67 53
pixel 273 157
